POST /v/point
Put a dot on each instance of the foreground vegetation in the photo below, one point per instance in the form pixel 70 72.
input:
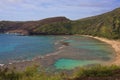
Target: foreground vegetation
pixel 97 72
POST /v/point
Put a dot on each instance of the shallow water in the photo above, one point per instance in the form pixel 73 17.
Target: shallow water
pixel 85 51
pixel 81 51
pixel 71 64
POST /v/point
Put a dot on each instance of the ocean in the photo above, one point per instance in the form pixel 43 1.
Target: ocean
pixel 74 51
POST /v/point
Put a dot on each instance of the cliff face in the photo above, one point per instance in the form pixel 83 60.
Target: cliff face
pixel 104 25
pixel 28 26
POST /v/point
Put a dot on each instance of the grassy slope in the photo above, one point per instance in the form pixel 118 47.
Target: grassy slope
pixel 29 26
pixel 97 72
pixel 104 25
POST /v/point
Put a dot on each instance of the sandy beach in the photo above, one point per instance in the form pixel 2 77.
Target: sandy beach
pixel 115 44
pixel 64 51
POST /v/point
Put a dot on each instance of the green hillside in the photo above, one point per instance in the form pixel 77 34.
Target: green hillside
pixel 104 25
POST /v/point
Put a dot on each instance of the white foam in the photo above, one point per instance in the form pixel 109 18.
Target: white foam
pixel 10 63
pixel 66 38
pixel 1 64
pixel 56 43
pixel 61 47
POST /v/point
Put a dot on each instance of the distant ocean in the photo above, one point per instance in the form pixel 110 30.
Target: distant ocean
pixel 82 50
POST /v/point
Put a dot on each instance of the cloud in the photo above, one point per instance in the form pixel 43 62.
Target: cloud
pixel 57 3
pixel 14 1
pixel 36 9
pixel 90 3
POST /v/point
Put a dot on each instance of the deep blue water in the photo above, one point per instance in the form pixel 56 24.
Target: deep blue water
pixel 80 49
pixel 24 47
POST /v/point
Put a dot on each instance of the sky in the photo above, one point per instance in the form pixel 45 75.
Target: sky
pixel 26 10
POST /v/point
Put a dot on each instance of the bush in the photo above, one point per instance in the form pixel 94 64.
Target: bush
pixel 97 71
pixel 33 73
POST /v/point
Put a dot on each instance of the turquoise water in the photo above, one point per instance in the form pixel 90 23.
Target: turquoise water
pixel 91 47
pixel 88 51
pixel 80 52
pixel 71 64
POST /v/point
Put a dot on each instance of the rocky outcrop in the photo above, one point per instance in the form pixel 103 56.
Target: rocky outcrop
pixel 105 25
pixel 18 32
pixel 28 26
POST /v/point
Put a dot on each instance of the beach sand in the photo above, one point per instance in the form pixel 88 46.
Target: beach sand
pixel 65 52
pixel 115 45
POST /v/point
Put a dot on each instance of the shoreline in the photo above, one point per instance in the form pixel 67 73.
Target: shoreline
pixel 115 45
pixel 60 53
